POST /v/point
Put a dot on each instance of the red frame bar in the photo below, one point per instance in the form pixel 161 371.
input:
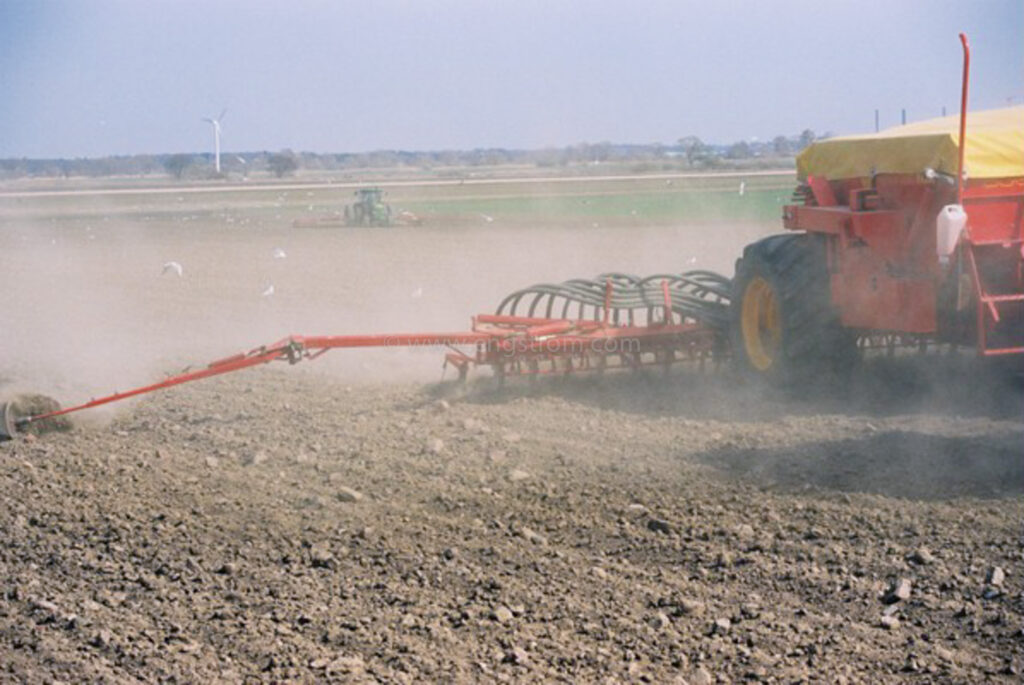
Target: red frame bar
pixel 499 340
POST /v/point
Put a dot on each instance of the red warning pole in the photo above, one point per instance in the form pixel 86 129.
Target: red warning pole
pixel 963 120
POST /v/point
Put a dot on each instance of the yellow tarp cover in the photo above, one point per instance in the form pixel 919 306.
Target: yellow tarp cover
pixel 995 148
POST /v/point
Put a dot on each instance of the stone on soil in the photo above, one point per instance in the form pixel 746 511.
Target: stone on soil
pixel 346 494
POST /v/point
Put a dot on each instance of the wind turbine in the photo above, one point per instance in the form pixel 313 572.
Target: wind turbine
pixel 215 122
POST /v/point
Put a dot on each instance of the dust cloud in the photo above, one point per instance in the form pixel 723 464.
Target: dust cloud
pixel 90 308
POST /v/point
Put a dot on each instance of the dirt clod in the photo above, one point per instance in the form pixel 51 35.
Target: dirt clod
pixel 889 622
pixel 347 494
pixel 517 475
pixel 502 614
pixel 898 592
pixel 516 655
pixel 26 405
pixel 701 676
pixel 922 556
pixel 659 621
pixel 659 526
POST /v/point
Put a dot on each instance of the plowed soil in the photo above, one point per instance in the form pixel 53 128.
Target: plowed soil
pixel 318 523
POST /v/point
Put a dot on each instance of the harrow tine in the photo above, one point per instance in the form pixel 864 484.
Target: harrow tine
pixel 699 295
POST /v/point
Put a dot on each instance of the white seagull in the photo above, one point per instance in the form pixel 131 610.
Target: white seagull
pixel 172 266
pixel 268 291
pixel 279 253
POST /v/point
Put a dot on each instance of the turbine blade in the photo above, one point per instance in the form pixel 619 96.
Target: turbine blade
pixel 222 113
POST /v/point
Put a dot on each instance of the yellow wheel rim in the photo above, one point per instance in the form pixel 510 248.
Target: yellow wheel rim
pixel 762 330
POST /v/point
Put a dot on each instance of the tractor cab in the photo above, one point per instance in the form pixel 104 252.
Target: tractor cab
pixel 369 209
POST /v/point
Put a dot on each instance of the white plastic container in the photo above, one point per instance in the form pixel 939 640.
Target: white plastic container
pixel 949 225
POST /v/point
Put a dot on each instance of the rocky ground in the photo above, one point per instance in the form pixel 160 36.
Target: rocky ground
pixel 275 525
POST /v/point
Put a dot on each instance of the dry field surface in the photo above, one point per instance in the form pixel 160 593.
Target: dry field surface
pixel 354 519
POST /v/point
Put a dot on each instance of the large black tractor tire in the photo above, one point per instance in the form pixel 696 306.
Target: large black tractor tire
pixel 783 328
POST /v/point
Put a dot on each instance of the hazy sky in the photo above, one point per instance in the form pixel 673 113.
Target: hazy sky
pixel 91 78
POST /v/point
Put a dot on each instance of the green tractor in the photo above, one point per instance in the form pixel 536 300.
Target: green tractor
pixel 369 209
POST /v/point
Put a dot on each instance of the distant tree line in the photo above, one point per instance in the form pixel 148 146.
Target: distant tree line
pixel 689 152
pixel 698 154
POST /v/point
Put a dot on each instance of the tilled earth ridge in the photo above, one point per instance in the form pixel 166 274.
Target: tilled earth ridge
pixel 279 526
